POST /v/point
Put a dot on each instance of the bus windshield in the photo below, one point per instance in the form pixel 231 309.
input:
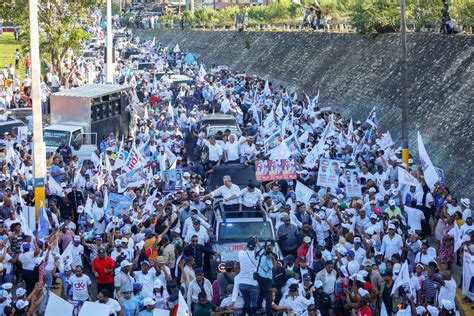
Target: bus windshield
pixel 53 138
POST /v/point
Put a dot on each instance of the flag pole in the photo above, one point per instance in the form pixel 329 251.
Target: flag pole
pixel 39 148
pixel 404 71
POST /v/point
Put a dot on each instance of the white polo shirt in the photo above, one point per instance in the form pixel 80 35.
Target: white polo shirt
pixel 215 151
pixel 226 192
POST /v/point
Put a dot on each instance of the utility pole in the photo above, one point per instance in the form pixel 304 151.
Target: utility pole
pixel 39 147
pixel 109 72
pixel 404 76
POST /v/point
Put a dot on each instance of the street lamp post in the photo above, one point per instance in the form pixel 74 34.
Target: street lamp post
pixel 109 70
pixel 404 75
pixel 39 147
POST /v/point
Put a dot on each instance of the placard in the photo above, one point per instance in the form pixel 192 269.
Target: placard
pixel 279 169
pixel 328 173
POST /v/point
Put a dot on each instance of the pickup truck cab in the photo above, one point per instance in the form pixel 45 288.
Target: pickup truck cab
pixel 231 233
pixel 82 144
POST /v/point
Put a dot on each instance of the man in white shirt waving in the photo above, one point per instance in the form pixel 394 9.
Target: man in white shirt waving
pixel 230 194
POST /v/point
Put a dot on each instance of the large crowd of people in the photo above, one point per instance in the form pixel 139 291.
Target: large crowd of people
pixel 367 244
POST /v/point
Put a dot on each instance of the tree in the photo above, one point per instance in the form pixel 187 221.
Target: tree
pixel 62 26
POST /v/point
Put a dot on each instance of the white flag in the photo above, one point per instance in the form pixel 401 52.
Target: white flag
pixel 66 258
pixel 95 159
pixel 303 193
pixel 429 171
pixel 176 49
pixel 134 159
pixel 279 110
pixel 315 101
pixel 404 177
pixel 183 309
pixel 403 279
pixel 385 141
pixel 304 137
pixel 280 152
pixel 54 186
pixel 266 89
pixel 372 119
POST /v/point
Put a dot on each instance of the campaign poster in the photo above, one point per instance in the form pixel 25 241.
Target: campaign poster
pixel 273 141
pixel 119 202
pixel 277 169
pixel 172 180
pixel 293 145
pixel 328 174
pixel 440 173
pixel 352 182
pixel 134 178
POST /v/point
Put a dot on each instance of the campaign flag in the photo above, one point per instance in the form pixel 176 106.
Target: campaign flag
pixel 202 72
pixel 293 146
pixel 372 119
pixel 440 173
pixel 403 280
pixel 266 89
pixel 328 173
pixel 385 141
pixel 176 49
pixel 280 152
pixel 120 156
pixel 303 193
pixel 183 309
pixel 304 137
pixel 43 223
pixel 269 123
pixel 170 156
pixel 350 131
pixel 58 306
pixel 95 159
pixel 279 109
pixel 134 159
pixel 315 100
pixel 280 169
pixel 134 178
pixel 404 177
pixel 172 180
pixel 273 141
pixel 429 171
pixel 66 258
pixel 55 187
pixel 170 113
pixel 317 150
pixel 149 201
pixel 12 158
pixel 119 202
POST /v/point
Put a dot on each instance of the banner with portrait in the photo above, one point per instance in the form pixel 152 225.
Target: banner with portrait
pixel 118 202
pixel 279 169
pixel 172 180
pixel 134 178
pixel 328 173
pixel 293 146
pixel 352 183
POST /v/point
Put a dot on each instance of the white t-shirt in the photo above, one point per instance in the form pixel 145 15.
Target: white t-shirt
pixel 419 198
pixel 79 286
pixel 77 253
pixel 113 305
pixel 27 260
pixel 414 217
pixel 215 151
pixel 448 291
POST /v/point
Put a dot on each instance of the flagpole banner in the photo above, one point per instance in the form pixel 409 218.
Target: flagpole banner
pixel 328 173
pixel 172 180
pixel 58 306
pixel 303 193
pixel 293 146
pixel 278 169
pixel 440 173
pixel 273 141
pixel 94 309
pixel 429 171
pixel 404 177
pixel 118 202
pixel 134 178
pixel 352 182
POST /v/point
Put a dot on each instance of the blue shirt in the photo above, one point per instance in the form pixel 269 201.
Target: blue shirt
pixel 146 313
pixel 265 269
pixel 129 307
pixel 56 169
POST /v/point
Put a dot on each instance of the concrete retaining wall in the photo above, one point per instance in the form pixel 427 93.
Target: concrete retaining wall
pixel 355 73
